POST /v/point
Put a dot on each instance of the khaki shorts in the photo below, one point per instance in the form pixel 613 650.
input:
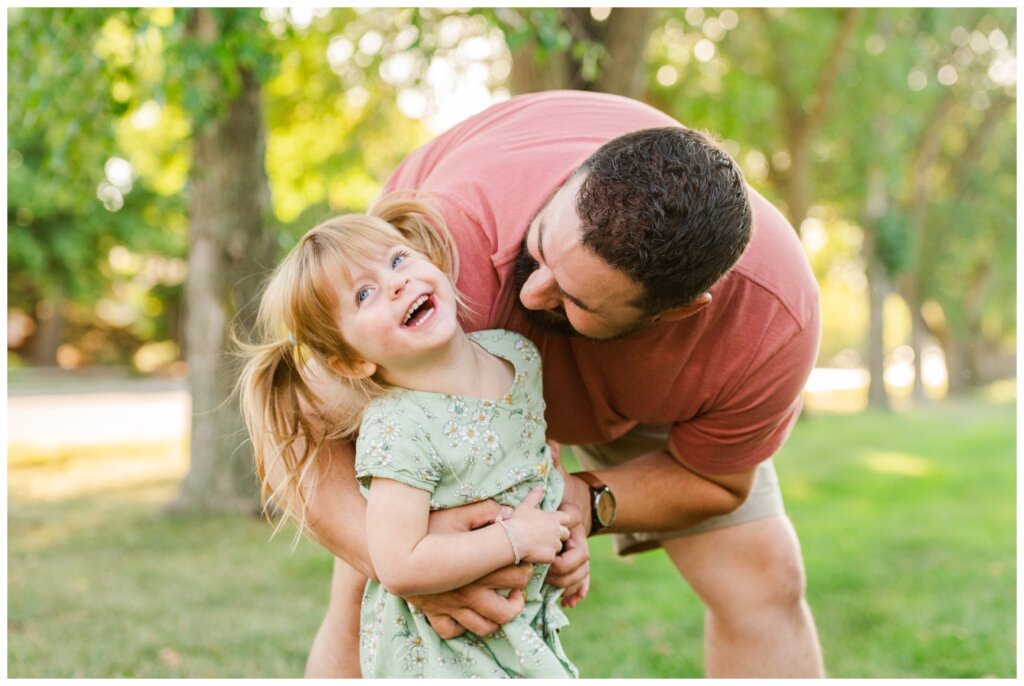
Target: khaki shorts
pixel 765 499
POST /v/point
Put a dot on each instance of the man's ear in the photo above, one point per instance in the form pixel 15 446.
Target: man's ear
pixel 684 311
pixel 360 369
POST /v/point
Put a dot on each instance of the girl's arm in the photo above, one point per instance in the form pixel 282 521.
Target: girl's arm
pixel 411 561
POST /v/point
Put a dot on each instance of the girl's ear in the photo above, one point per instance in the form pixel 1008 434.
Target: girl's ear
pixel 359 369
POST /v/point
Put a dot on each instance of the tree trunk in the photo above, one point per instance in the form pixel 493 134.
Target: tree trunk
pixel 977 347
pixel 917 343
pixel 878 289
pixel 803 116
pixel 228 245
pixel 41 350
pixel 624 36
pixel 530 76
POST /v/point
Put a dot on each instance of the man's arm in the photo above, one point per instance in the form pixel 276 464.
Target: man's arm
pixel 656 492
pixel 662 491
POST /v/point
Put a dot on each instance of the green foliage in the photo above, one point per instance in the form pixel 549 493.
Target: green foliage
pixel 89 85
pixel 549 31
pixel 64 213
pixel 893 247
pixel 888 99
pixel 335 132
pixel 206 52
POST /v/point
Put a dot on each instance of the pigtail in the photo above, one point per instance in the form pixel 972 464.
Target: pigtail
pixel 273 394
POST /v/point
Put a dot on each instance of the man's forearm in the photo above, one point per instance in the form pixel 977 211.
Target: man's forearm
pixel 655 492
pixel 337 510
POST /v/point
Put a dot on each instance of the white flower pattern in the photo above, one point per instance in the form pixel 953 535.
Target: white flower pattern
pixel 464 450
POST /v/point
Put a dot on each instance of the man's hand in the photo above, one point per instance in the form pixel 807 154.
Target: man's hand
pixel 571 568
pixel 476 607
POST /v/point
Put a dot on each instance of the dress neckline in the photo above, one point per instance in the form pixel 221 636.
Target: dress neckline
pixel 507 398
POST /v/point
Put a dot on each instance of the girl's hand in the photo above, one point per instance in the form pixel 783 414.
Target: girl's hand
pixel 537 533
pixel 466 517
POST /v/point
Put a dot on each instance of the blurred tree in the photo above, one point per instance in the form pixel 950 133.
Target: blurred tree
pixel 579 48
pixel 936 107
pixel 764 81
pixel 99 68
pixel 217 63
pixel 962 177
pixel 763 78
pixel 805 91
pixel 71 200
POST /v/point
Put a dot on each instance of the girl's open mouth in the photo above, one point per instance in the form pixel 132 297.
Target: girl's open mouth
pixel 420 311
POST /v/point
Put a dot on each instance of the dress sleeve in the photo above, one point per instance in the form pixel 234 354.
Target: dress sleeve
pixel 393 444
pixel 757 417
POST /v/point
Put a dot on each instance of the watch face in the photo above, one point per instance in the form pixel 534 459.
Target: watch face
pixel 604 507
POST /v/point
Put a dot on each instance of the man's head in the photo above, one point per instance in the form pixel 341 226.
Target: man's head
pixel 640 232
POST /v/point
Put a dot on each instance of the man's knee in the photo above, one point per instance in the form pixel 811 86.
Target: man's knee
pixel 750 568
pixel 780 579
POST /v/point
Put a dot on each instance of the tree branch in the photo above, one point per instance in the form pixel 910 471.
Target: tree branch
pixel 786 87
pixel 830 70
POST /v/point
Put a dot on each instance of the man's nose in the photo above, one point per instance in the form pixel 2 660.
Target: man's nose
pixel 540 292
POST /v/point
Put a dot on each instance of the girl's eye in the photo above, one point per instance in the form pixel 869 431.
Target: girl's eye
pixel 398 259
pixel 362 294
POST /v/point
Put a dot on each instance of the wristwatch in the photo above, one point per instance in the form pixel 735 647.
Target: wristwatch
pixel 602 502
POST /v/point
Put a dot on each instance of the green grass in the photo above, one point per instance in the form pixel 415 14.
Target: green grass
pixel 907 523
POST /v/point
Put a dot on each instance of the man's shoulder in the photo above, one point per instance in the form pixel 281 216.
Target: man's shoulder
pixel 775 264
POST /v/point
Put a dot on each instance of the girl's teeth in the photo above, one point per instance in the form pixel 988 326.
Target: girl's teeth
pixel 419 301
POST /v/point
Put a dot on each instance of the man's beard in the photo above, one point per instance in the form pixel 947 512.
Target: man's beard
pixel 551 321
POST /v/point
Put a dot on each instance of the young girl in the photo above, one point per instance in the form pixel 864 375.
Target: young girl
pixel 451 419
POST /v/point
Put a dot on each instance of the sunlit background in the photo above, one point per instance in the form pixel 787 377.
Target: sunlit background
pixel 366 85
pixel 886 136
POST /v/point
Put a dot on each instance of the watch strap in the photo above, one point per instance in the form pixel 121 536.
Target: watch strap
pixel 591 480
pixel 596 487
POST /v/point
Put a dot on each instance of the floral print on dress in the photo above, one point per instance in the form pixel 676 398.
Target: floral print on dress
pixel 463 450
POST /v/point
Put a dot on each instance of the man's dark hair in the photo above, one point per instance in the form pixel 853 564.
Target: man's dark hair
pixel 669 208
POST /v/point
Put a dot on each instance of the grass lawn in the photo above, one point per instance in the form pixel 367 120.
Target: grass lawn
pixel 907 523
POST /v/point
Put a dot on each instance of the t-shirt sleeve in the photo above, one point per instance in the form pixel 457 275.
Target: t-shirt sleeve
pixel 753 422
pixel 392 445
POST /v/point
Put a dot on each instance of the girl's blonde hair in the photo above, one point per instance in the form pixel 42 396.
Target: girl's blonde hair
pixel 296 324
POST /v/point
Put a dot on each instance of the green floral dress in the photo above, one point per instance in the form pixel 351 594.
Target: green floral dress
pixel 463 450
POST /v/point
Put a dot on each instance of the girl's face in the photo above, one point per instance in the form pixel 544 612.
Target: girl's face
pixel 396 309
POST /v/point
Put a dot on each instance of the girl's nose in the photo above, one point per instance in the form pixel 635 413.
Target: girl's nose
pixel 398 284
pixel 540 292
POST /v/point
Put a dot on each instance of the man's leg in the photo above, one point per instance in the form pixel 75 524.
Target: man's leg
pixel 751 580
pixel 335 651
pixel 745 566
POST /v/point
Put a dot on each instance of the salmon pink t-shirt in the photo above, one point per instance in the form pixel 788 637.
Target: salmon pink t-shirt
pixel 728 378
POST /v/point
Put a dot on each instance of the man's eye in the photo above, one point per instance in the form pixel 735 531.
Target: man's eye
pixel 362 294
pixel 398 259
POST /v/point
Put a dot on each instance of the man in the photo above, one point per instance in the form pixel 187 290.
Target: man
pixel 677 319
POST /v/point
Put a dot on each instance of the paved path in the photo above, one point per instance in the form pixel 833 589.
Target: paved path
pixel 103 411
pixel 100 412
